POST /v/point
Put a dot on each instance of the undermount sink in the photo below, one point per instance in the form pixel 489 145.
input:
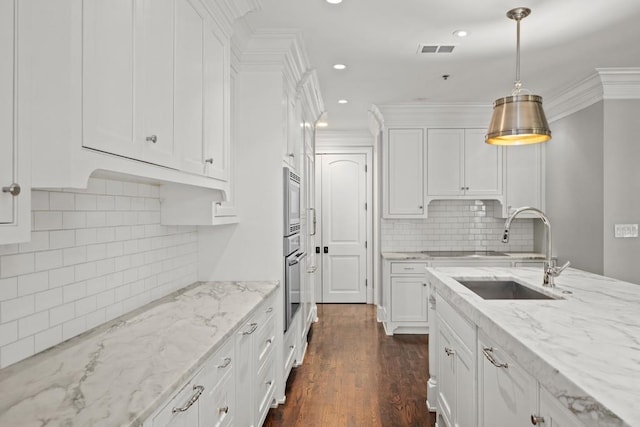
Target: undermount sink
pixel 502 289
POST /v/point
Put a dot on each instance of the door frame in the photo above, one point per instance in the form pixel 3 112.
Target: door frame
pixel 368 152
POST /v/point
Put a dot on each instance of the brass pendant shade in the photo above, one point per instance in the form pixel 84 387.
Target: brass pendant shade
pixel 518 119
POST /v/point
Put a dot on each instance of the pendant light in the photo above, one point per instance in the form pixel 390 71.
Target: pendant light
pixel 518 119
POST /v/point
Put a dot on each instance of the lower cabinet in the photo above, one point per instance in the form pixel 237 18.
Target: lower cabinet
pixel 405 297
pixel 235 387
pixel 507 394
pixel 478 384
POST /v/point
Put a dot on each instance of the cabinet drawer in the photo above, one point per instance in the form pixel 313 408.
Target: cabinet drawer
pixel 222 362
pixel 264 340
pixel 166 416
pixel 408 267
pixel 265 387
pixel 463 328
pixel 220 410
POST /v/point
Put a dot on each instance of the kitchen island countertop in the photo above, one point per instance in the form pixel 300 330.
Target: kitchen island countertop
pixel 584 347
pixel 119 373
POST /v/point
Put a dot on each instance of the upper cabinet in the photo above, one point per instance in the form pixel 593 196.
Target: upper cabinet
pixel 15 197
pixel 404 174
pixel 128 75
pixel 460 165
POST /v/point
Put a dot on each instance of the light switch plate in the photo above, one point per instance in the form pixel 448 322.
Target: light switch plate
pixel 626 230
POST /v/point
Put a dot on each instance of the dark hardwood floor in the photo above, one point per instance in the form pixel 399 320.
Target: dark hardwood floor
pixel 354 375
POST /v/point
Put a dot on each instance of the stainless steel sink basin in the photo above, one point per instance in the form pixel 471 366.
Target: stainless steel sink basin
pixel 502 289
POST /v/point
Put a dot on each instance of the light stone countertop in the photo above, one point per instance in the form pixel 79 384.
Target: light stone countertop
pixel 120 372
pixel 442 256
pixel 584 348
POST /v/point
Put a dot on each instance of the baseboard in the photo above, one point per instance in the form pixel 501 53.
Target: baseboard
pixel 381 314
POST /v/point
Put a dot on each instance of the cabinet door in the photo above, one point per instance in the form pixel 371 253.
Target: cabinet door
pixel 107 72
pixel 405 173
pixel 523 179
pixel 465 415
pixel 507 394
pixel 482 165
pixel 189 82
pixel 154 62
pixel 128 78
pixel 446 357
pixel 445 176
pixel 408 299
pixel 7 142
pixel 245 376
pixel 554 414
pixel 216 104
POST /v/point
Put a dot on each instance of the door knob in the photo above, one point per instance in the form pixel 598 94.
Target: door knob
pixel 13 189
pixel 536 419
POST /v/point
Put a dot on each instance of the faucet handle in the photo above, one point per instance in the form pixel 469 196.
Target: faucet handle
pixel 557 270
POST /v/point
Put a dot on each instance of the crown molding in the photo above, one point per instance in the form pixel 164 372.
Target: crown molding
pixel 345 138
pixel 376 120
pixel 226 12
pixel 604 84
pixel 456 115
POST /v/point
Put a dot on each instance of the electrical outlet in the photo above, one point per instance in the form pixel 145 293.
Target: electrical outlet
pixel 626 230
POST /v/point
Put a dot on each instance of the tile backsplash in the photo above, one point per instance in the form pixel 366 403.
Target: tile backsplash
pixel 94 254
pixel 457 225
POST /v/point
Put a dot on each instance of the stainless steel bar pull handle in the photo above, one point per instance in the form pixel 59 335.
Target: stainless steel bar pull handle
pixel 251 330
pixel 198 391
pixel 14 189
pixel 487 351
pixel 225 363
pixel 152 138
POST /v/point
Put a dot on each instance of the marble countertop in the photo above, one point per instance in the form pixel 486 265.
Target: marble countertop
pixel 457 256
pixel 120 372
pixel 583 348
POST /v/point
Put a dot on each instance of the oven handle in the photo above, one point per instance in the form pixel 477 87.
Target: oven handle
pixel 293 262
pixel 300 256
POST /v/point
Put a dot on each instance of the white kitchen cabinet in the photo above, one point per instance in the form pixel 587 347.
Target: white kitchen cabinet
pixel 456 377
pixel 255 378
pixel 128 76
pixel 552 414
pixel 15 194
pixel 507 395
pixel 294 141
pixel 404 174
pixel 461 165
pixel 408 299
pixel 405 297
pixel 523 178
pixel 201 97
pixel 207 399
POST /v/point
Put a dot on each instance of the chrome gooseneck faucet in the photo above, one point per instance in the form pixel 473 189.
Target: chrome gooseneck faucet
pixel 550 269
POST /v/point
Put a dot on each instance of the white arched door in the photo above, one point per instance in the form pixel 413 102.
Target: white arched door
pixel 344 228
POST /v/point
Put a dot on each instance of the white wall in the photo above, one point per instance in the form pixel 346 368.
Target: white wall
pixel 621 187
pixel 457 225
pixel 94 255
pixel 574 188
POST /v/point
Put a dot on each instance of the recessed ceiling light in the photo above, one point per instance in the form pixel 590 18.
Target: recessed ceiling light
pixel 322 124
pixel 334 1
pixel 339 66
pixel 461 33
pixel 342 101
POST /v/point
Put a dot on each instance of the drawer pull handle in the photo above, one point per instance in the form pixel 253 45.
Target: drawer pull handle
pixel 292 347
pixel 227 362
pixel 449 351
pixel 224 410
pixel 269 383
pixel 487 351
pixel 152 138
pixel 251 330
pixel 536 419
pixel 269 341
pixel 13 189
pixel 269 310
pixel 209 160
pixel 199 389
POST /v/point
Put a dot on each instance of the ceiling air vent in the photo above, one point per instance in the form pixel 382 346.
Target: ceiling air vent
pixel 434 48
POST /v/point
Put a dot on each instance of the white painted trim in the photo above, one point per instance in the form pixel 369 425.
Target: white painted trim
pixel 603 84
pixel 376 120
pixel 338 140
pixel 433 115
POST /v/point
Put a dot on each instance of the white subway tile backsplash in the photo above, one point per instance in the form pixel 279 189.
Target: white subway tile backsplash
pixel 456 225
pixel 94 254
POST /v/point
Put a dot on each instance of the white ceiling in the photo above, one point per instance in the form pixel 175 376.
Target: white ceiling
pixel 562 42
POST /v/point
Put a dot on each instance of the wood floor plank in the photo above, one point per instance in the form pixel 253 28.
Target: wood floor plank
pixel 354 375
